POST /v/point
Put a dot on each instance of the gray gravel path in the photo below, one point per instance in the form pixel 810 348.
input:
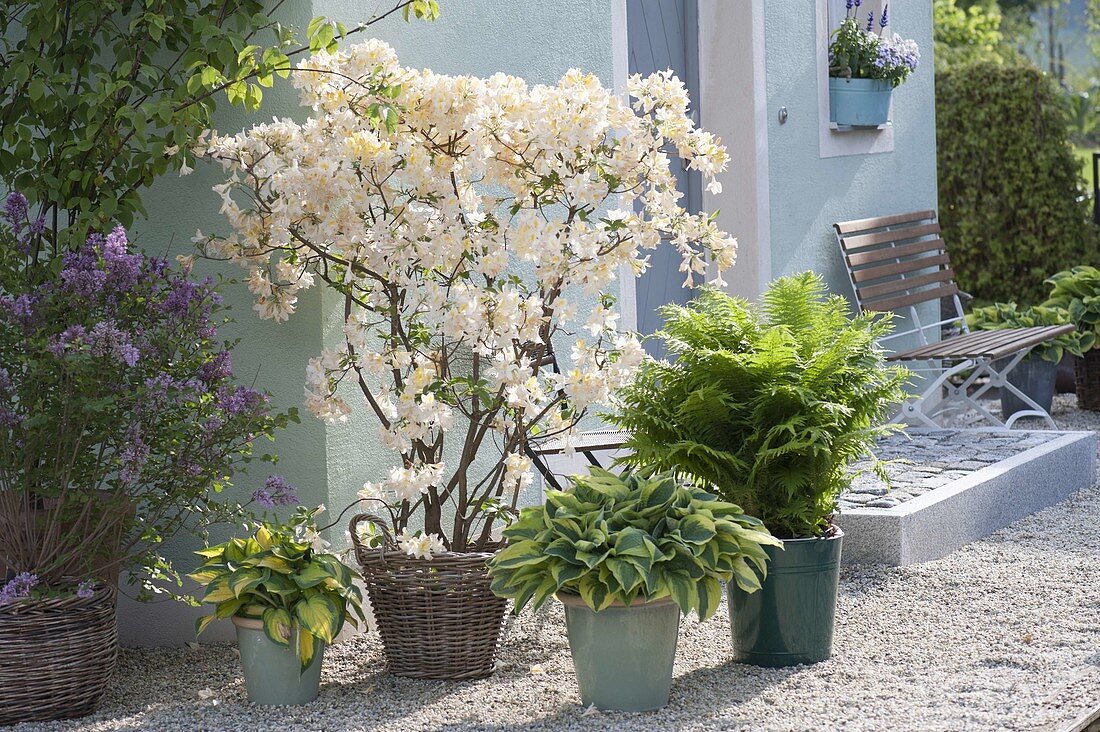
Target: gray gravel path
pixel 1004 634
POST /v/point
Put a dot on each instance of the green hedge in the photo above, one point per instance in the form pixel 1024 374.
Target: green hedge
pixel 1008 181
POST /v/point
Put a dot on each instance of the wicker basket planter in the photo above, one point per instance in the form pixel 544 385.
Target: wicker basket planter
pixel 56 656
pixel 438 619
pixel 1086 371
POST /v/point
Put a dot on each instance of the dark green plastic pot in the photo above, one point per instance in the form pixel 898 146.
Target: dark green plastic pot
pixel 790 619
pixel 623 655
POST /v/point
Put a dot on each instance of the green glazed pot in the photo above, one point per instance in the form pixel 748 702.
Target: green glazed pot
pixel 623 655
pixel 272 673
pixel 789 620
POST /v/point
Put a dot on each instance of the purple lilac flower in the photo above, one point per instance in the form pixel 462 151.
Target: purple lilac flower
pixel 848 5
pixel 123 267
pixel 885 19
pixel 23 308
pixel 184 293
pixel 276 492
pixel 870 21
pixel 239 400
pixel 85 589
pixel 218 368
pixel 107 339
pixel 19 588
pixel 8 417
pixel 58 345
pixel 38 225
pixel 15 209
pixel 133 458
pixel 81 273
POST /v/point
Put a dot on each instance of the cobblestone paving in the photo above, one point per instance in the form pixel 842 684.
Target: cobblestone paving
pixel 924 460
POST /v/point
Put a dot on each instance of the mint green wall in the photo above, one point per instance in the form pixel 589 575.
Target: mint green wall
pixel 810 193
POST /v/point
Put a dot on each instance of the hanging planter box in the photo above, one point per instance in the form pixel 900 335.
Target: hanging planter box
pixel 859 102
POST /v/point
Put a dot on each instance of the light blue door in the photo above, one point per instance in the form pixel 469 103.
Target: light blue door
pixel 663 34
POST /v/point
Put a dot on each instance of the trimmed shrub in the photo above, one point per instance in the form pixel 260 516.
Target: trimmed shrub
pixel 1008 181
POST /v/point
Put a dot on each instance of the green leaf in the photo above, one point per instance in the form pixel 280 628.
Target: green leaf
pixel 278 625
pixel 520 554
pixel 595 593
pixel 203 622
pixel 683 591
pixel 311 575
pixel 305 648
pixel 709 596
pixel 319 615
pixel 218 591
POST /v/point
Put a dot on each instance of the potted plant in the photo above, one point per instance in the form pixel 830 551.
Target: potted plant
pixel 1035 375
pixel 626 554
pixel 769 404
pixel 460 231
pixel 865 66
pixel 288 599
pixel 1077 291
pixel 120 425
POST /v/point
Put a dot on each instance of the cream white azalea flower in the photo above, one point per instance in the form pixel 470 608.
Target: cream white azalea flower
pixel 464 240
pixel 420 545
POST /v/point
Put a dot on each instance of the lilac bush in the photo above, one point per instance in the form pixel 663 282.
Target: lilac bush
pixel 120 421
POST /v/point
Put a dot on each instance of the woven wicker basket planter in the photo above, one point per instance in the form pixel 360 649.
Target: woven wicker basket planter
pixel 438 619
pixel 56 656
pixel 1086 371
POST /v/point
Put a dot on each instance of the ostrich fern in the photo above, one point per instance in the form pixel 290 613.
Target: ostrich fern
pixel 768 404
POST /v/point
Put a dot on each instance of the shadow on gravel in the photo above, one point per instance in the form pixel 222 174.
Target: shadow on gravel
pixel 697 696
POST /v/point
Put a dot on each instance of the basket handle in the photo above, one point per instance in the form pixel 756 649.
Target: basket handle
pixel 387 535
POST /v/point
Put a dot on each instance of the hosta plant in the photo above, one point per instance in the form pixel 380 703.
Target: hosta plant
pixel 1077 290
pixel 768 404
pixel 630 538
pixel 1002 315
pixel 282 576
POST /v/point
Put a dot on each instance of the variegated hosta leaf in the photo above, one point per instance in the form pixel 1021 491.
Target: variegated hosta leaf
pixel 628 538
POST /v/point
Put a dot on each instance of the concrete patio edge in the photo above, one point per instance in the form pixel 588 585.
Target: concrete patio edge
pixel 939 522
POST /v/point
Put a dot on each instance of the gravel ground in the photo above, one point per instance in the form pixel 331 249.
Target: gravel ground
pixel 1004 634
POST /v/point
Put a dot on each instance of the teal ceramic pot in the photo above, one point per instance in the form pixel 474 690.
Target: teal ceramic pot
pixel 272 673
pixel 790 619
pixel 623 655
pixel 859 102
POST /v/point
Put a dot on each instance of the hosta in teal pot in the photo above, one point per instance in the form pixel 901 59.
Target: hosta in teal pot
pixel 859 102
pixel 273 673
pixel 623 655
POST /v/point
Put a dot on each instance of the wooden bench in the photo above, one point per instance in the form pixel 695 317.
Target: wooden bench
pixel 899 263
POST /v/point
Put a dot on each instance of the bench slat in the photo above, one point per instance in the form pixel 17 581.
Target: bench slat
pixel 877 222
pixel 897 268
pixel 870 292
pixel 857 259
pixel 936 293
pixel 860 241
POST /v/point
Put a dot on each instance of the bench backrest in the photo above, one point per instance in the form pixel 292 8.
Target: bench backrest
pixel 898 262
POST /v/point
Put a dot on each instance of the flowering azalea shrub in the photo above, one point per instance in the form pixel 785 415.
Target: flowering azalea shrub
pixel 467 229
pixel 862 50
pixel 120 421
